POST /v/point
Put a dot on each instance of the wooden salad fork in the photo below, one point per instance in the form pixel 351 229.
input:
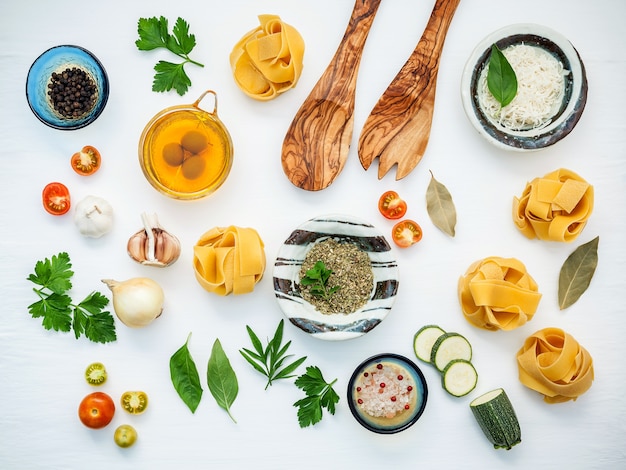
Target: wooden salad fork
pixel 398 127
pixel 316 145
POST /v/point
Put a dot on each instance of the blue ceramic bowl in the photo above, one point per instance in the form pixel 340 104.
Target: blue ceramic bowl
pixel 58 59
pixel 387 393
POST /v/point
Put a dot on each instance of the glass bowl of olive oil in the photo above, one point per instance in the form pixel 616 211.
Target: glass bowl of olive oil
pixel 186 152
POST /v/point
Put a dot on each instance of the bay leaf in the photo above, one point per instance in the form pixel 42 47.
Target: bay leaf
pixel 440 206
pixel 185 377
pixel 577 272
pixel 221 378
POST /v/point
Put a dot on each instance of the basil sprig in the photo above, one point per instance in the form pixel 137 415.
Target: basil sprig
pixel 185 377
pixel 221 378
pixel 501 78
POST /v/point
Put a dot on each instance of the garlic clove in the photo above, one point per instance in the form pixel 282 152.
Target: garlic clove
pixel 152 245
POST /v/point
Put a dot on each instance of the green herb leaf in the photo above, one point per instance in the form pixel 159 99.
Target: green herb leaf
pixel 221 378
pixel 316 279
pixel 319 395
pixel 185 377
pixel 501 78
pixel 271 361
pixel 440 206
pixel 154 34
pixel 168 76
pixel 577 272
pixel 55 306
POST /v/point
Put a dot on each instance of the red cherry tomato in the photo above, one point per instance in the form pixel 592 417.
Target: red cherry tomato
pixel 56 198
pixel 391 205
pixel 406 233
pixel 87 161
pixel 96 410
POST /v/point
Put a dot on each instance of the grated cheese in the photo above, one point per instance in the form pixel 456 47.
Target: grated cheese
pixel 540 89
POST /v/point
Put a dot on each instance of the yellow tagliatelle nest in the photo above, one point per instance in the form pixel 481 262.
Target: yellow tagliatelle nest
pixel 229 260
pixel 267 61
pixel 555 207
pixel 552 363
pixel 498 294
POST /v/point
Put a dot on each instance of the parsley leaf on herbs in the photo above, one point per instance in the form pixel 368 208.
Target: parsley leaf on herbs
pixel 319 395
pixel 55 306
pixel 271 361
pixel 501 78
pixel 154 34
pixel 317 277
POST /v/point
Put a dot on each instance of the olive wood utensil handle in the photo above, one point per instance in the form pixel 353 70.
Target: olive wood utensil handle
pixel 398 127
pixel 316 145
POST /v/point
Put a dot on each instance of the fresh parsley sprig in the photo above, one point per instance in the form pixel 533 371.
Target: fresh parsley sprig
pixel 56 308
pixel 272 360
pixel 154 34
pixel 317 278
pixel 319 395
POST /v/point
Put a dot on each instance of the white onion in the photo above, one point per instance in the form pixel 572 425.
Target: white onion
pixel 137 301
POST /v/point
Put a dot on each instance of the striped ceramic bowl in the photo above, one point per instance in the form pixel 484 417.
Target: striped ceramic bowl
pixel 344 229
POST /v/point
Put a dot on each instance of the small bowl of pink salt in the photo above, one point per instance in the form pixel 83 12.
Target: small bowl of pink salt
pixel 387 393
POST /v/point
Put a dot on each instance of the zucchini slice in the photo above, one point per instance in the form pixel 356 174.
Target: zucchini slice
pixel 459 377
pixel 495 415
pixel 448 347
pixel 424 340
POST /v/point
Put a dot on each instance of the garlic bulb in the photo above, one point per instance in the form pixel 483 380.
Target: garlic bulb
pixel 93 216
pixel 153 246
pixel 137 301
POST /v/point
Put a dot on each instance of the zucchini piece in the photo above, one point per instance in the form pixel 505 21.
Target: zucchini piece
pixel 424 340
pixel 459 377
pixel 448 347
pixel 495 415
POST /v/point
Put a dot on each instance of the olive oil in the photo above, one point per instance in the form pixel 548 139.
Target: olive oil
pixel 186 152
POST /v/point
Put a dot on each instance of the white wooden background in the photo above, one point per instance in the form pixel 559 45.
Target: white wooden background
pixel 41 373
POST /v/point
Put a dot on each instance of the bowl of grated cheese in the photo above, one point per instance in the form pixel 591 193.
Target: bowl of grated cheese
pixel 551 88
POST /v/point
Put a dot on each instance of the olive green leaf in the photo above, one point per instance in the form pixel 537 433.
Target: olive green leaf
pixel 440 206
pixel 221 378
pixel 576 273
pixel 185 377
pixel 501 78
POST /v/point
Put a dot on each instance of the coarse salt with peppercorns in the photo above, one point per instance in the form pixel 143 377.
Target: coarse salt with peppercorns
pixel 383 391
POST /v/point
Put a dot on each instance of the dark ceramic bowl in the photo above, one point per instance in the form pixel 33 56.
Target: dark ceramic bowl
pixel 566 114
pixel 57 59
pixel 403 397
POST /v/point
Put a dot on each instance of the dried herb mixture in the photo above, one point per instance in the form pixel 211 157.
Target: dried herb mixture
pixel 351 271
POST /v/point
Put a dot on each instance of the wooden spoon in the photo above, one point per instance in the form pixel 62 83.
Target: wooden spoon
pixel 398 128
pixel 316 146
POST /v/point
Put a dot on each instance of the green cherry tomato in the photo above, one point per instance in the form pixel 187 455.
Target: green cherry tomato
pixel 96 374
pixel 125 435
pixel 134 403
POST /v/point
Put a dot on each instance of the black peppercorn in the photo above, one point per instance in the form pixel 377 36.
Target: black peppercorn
pixel 72 92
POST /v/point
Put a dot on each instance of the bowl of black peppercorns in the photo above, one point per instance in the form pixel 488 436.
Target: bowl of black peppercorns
pixel 67 87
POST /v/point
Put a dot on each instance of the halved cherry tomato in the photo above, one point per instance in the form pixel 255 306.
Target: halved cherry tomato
pixel 56 198
pixel 96 373
pixel 406 233
pixel 391 205
pixel 96 410
pixel 87 161
pixel 134 402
